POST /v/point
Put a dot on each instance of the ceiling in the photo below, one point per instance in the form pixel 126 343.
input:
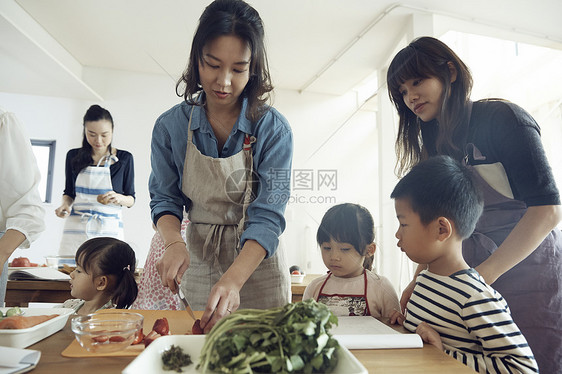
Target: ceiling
pixel 313 45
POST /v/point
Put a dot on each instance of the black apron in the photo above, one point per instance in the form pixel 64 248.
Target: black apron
pixel 532 288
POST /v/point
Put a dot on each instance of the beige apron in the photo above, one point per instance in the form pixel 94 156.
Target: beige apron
pixel 220 190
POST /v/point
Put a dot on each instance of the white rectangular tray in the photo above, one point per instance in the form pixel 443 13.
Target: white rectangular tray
pixel 22 338
pixel 150 360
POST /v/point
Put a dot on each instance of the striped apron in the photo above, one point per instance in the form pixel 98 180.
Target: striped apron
pixel 89 218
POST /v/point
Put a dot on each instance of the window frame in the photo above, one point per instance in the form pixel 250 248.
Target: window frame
pixel 47 175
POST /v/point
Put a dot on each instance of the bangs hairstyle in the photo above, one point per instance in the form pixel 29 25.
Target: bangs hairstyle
pixel 442 187
pixel 427 57
pixel 236 18
pixel 114 259
pixel 83 157
pixel 348 223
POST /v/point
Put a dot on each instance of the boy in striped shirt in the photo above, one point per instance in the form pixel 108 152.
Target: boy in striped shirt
pixel 451 307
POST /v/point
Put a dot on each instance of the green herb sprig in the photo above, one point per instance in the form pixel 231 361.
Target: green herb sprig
pixel 290 339
pixel 174 358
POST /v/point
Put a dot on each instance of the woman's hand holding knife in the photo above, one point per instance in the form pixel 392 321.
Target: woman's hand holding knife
pixel 171 266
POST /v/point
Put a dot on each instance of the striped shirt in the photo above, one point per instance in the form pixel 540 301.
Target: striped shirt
pixel 473 321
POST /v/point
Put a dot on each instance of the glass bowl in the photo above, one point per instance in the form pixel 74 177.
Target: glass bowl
pixel 106 332
pixel 58 262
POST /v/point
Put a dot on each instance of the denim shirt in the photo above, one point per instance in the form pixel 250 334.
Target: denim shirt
pixel 272 152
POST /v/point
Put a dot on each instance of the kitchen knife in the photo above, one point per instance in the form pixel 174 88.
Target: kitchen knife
pixel 184 302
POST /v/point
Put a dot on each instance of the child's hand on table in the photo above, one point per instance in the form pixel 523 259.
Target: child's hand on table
pixel 396 318
pixel 429 335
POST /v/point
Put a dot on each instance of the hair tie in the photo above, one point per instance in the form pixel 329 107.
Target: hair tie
pixel 128 267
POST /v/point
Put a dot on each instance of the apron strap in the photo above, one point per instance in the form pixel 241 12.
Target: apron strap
pixel 472 153
pixel 189 132
pixel 90 219
pixel 367 310
pixel 248 141
pixel 467 149
pixel 212 245
pixel 108 159
pixel 247 147
pixel 322 286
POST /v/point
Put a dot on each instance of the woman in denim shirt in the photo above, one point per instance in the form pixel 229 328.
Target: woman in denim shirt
pixel 225 157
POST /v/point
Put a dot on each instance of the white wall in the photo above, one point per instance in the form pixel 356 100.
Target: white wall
pixel 328 136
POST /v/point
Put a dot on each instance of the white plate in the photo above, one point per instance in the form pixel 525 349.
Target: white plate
pixel 22 338
pixel 150 360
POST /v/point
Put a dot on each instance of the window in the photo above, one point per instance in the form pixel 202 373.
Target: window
pixel 44 151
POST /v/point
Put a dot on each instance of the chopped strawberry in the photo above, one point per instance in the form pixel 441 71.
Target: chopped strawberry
pixel 138 338
pixel 159 329
pixel 151 337
pixel 100 339
pixel 196 328
pixel 161 326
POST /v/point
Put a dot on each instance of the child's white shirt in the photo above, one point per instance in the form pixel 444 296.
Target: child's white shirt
pixel 76 304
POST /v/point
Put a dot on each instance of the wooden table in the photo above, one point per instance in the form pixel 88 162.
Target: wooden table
pixel 424 360
pixel 20 292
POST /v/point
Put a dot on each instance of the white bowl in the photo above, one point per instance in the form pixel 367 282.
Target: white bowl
pixel 150 359
pixel 297 278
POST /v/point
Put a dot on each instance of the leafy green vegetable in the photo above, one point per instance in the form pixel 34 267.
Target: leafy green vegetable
pixel 290 339
pixel 174 359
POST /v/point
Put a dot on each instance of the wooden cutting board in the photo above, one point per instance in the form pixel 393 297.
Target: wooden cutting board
pixel 179 320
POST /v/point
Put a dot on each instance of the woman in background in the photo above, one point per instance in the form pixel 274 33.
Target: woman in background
pixel 516 246
pixel 99 181
pixel 21 211
pixel 217 156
